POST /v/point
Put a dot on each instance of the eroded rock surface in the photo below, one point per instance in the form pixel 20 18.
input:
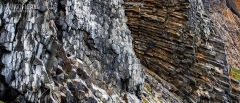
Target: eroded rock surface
pixel 190 44
pixel 68 51
pixel 82 51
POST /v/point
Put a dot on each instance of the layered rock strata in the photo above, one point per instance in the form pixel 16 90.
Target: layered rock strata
pixel 189 44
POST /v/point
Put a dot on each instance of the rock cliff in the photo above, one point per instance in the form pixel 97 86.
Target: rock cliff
pixel 68 51
pixel 77 51
pixel 192 45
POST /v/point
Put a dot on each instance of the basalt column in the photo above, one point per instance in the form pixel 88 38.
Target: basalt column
pixel 67 51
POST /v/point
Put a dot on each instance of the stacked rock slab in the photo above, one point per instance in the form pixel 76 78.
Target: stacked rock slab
pixel 66 51
pixel 185 43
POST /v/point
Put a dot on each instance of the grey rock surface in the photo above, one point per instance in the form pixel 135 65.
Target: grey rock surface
pixel 68 51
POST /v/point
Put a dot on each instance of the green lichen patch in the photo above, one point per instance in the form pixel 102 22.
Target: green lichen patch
pixel 159 100
pixel 148 89
pixel 236 73
pixel 144 100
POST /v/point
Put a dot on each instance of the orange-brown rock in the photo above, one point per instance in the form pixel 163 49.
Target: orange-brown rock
pixel 190 44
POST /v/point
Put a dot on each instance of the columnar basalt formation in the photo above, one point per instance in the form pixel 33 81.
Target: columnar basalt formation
pixel 68 51
pixel 189 44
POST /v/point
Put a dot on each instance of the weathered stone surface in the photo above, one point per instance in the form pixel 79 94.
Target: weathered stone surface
pixel 77 51
pixel 68 51
pixel 191 44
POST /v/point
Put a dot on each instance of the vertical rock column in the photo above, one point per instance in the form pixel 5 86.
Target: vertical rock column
pixel 44 48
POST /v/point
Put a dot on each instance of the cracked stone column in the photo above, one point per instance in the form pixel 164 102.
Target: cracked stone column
pixel 57 51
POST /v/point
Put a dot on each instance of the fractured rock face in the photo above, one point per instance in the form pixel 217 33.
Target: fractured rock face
pixel 82 51
pixel 189 44
pixel 60 50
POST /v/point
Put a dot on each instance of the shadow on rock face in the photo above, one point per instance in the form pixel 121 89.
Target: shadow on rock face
pixel 7 93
